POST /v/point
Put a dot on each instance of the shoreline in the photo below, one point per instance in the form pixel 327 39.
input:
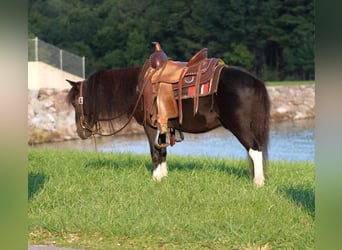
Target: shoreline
pixel 51 119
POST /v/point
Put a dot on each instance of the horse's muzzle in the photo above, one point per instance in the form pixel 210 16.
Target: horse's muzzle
pixel 83 133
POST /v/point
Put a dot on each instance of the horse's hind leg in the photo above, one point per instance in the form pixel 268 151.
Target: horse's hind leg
pixel 251 135
pixel 257 158
pixel 256 154
pixel 243 106
pixel 158 155
pixel 247 133
pixel 254 148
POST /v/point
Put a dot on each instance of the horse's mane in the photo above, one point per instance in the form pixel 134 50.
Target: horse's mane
pixel 109 95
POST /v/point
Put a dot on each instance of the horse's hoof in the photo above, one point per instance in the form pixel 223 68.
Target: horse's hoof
pixel 156 178
pixel 259 182
pixel 157 174
pixel 160 172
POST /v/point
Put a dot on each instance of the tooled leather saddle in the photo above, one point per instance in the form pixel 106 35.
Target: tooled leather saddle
pixel 167 82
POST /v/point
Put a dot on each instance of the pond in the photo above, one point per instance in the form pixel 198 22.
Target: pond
pixel 289 141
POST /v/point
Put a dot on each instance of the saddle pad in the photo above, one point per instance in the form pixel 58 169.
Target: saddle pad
pixel 206 88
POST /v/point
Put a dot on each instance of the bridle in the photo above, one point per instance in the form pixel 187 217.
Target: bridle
pixel 96 128
pixel 83 122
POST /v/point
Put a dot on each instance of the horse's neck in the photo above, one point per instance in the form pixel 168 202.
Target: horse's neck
pixel 131 93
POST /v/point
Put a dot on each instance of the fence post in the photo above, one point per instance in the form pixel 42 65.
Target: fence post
pixel 83 67
pixel 61 59
pixel 54 56
pixel 36 48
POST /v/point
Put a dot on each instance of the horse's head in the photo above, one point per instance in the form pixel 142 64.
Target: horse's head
pixel 75 98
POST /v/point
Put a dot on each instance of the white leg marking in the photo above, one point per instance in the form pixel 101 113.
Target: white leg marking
pixel 259 177
pixel 160 172
pixel 164 168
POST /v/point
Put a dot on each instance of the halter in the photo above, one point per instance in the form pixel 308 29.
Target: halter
pixel 83 123
pixel 97 130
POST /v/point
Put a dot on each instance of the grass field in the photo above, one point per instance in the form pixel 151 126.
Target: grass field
pixel 109 201
pixel 289 83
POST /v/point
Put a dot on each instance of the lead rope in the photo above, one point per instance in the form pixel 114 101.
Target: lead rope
pixel 131 115
pixel 94 140
pixel 97 129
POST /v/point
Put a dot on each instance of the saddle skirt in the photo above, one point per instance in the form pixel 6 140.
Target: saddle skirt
pixel 196 83
pixel 185 77
pixel 167 85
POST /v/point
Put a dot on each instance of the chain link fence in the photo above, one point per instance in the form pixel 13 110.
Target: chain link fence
pixel 39 50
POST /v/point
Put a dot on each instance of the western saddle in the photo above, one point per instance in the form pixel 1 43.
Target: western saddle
pixel 165 81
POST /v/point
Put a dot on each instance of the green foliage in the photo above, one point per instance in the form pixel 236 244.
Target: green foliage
pixel 240 56
pixel 268 74
pixel 103 201
pixel 119 33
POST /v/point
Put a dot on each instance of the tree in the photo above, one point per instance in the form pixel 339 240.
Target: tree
pixel 239 55
pixel 271 37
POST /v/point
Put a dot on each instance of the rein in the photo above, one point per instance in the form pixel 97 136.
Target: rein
pixel 97 130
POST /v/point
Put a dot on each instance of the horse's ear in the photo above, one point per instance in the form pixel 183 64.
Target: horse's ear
pixel 72 83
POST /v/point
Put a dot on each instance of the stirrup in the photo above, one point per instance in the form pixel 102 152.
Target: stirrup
pixel 156 141
pixel 180 133
pixel 172 138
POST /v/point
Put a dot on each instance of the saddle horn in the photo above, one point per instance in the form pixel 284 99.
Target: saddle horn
pixel 157 46
pixel 158 58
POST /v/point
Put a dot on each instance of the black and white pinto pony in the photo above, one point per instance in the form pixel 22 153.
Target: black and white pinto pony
pixel 240 105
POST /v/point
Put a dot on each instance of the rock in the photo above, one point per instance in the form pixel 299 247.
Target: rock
pixel 48 103
pixel 46 93
pixel 282 110
pixel 51 119
pixel 292 102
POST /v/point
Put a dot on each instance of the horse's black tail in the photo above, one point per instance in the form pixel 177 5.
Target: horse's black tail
pixel 261 118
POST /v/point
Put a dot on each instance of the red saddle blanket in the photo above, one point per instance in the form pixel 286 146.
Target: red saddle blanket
pixel 205 79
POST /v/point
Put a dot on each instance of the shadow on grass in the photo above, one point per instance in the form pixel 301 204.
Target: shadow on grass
pixel 173 164
pixel 101 163
pixel 35 183
pixel 221 166
pixel 301 196
pixel 116 163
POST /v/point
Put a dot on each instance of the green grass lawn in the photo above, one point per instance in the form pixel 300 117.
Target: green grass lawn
pixel 109 201
pixel 289 83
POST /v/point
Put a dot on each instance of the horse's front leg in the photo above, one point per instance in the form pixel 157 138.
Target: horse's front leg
pixel 158 155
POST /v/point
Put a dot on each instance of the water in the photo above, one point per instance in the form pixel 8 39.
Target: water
pixel 289 141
